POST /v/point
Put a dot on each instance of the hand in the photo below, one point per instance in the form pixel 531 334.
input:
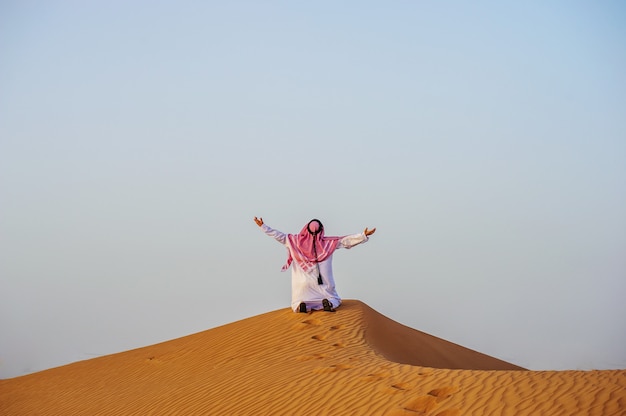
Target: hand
pixel 259 221
pixel 369 232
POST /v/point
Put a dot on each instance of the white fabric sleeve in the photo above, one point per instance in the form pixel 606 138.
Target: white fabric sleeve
pixel 277 235
pixel 350 241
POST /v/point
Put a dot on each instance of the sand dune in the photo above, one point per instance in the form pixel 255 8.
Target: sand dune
pixel 352 362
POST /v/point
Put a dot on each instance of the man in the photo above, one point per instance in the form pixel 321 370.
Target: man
pixel 312 281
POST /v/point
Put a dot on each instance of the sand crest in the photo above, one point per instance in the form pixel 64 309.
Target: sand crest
pixel 352 362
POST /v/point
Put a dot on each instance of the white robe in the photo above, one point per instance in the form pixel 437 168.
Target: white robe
pixel 304 286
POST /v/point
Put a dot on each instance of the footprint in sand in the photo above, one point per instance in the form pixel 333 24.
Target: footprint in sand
pixel 311 357
pixel 319 337
pixel 422 404
pixel 407 412
pixel 443 393
pixel 401 386
pixel 428 403
pixel 308 323
pixel 375 376
pixel 390 390
pixel 332 369
pixel 395 388
pixel 336 327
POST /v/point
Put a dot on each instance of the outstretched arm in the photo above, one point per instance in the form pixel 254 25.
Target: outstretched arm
pixel 277 235
pixel 350 241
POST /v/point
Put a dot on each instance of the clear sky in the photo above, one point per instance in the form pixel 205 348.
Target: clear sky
pixel 486 141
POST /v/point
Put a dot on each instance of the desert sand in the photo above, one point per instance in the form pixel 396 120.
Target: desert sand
pixel 352 362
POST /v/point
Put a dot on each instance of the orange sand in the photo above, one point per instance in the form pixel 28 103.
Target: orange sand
pixel 352 362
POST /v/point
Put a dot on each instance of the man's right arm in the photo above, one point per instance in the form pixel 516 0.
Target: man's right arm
pixel 275 234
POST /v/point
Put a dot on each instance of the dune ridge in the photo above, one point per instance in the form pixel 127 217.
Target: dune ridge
pixel 405 345
pixel 352 362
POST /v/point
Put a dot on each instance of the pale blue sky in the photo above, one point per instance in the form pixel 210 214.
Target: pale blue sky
pixel 485 141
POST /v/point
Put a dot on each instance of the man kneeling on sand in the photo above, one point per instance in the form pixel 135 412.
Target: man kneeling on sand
pixel 312 281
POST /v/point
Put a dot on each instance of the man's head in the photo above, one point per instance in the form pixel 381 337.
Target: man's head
pixel 314 227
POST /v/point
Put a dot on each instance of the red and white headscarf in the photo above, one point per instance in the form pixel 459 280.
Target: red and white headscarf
pixel 310 246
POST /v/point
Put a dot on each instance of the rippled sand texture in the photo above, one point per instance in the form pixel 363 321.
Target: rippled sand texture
pixel 352 362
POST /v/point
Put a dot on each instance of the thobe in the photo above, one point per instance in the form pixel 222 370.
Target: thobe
pixel 304 286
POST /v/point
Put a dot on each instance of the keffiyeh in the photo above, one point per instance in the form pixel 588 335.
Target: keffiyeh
pixel 310 246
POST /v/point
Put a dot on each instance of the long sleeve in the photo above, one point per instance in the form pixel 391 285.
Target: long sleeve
pixel 277 235
pixel 350 241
